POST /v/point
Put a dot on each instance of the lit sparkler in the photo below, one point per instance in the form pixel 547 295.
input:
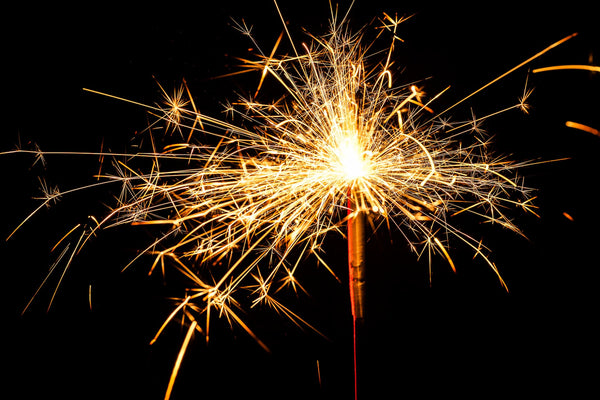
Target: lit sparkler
pixel 243 204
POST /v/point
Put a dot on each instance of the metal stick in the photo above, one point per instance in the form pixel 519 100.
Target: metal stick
pixel 356 267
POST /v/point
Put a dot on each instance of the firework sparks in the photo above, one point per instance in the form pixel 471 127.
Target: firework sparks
pixel 248 202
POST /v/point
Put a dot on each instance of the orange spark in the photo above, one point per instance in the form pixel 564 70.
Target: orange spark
pixel 568 216
pixel 582 127
pixel 591 68
pixel 184 346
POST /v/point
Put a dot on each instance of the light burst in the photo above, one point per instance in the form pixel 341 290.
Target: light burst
pixel 240 205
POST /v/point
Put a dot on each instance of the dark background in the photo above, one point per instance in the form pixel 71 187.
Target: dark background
pixel 464 336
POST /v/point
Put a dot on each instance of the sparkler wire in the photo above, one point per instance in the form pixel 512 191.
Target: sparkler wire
pixel 357 278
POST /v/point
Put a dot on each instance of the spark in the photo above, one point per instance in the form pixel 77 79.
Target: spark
pixel 319 374
pixel 177 365
pixel 568 216
pixel 591 68
pixel 90 296
pixel 582 127
pixel 50 194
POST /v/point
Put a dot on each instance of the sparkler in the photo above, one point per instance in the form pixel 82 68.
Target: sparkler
pixel 241 205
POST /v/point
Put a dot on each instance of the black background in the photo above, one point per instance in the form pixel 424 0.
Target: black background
pixel 465 335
